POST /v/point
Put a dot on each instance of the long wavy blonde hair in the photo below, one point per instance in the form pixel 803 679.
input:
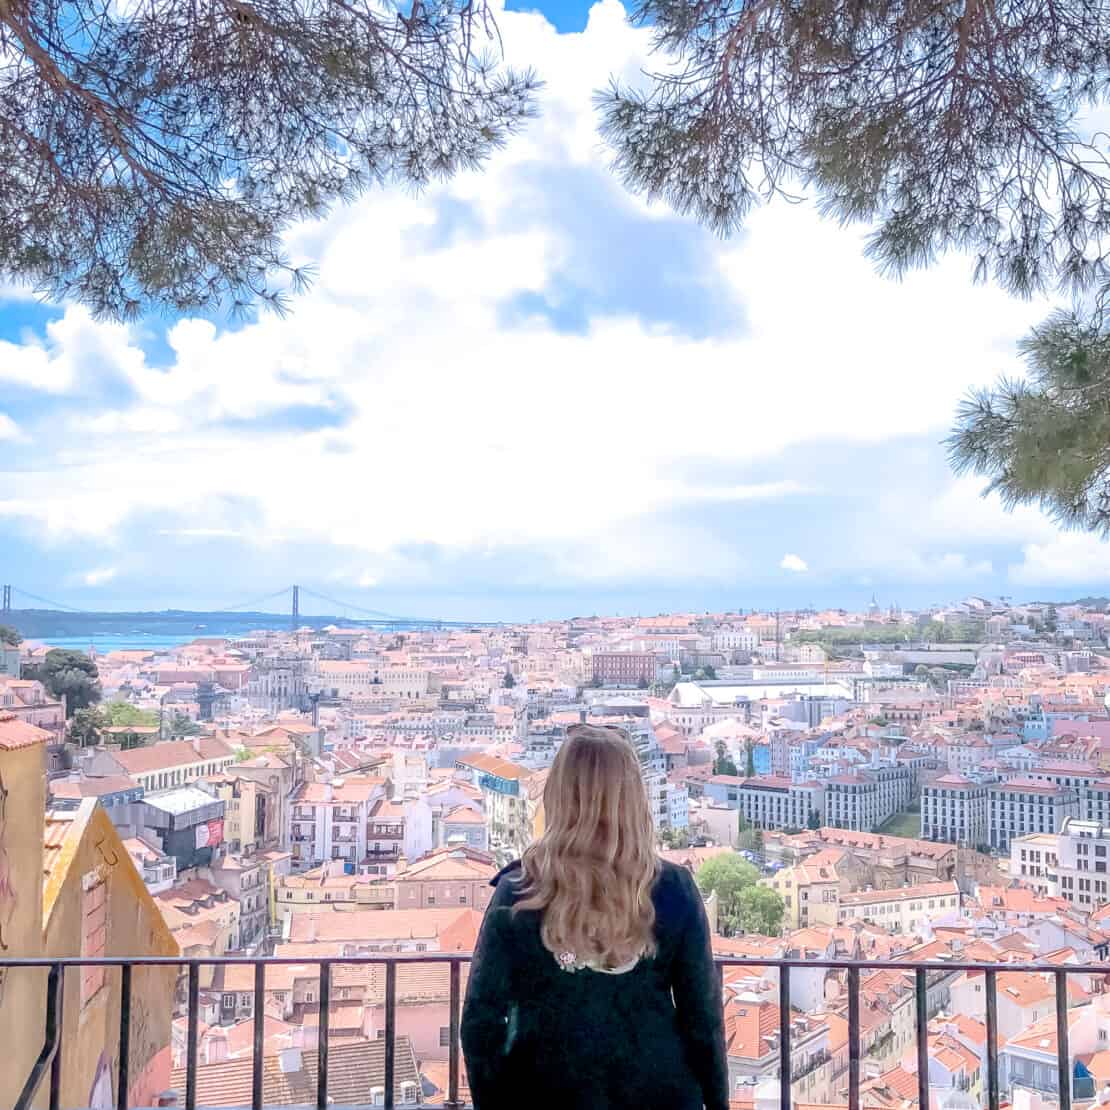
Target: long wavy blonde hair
pixel 592 870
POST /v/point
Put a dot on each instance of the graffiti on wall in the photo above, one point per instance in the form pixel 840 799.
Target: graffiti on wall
pixel 8 899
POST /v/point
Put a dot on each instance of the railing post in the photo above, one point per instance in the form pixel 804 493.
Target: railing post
pixel 992 1039
pixel 124 1078
pixel 453 1100
pixel 191 1045
pixel 921 986
pixel 784 1037
pixel 259 1036
pixel 322 1030
pixel 52 1039
pixel 56 1063
pixel 390 1028
pixel 853 1038
pixel 1063 1051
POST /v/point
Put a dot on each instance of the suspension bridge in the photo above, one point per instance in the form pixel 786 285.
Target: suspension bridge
pixel 292 596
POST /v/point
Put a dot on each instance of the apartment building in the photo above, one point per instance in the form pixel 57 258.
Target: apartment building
pixel 464 825
pixel 164 765
pixel 398 829
pixel 771 801
pixel 1073 864
pixel 369 680
pixel 450 876
pixel 1033 859
pixel 27 700
pixel 902 910
pixel 854 802
pixel 1026 805
pixel 250 811
pixel 955 809
pixel 810 890
pixel 623 668
pixel 329 820
pixel 500 782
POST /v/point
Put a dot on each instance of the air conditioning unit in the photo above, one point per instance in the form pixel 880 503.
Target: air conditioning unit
pixel 408 1092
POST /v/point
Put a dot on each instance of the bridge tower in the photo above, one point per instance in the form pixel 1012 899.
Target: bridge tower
pixel 296 608
pixel 6 604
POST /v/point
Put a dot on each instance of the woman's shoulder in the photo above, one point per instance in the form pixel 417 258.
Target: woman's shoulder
pixel 512 871
pixel 674 889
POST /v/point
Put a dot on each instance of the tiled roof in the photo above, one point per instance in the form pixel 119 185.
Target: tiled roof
pixel 172 753
pixel 370 926
pixel 16 733
pixel 353 1069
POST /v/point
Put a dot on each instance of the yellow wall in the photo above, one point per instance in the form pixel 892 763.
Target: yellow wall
pixel 44 919
pixel 22 993
pixel 93 851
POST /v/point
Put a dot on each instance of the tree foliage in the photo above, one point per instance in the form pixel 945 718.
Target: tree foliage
pixel 71 675
pixel 958 127
pixel 723 764
pixel 508 681
pixel 181 725
pixel 740 904
pixel 943 127
pixel 1045 440
pixel 122 713
pixel 86 726
pixel 760 910
pixel 10 636
pixel 154 152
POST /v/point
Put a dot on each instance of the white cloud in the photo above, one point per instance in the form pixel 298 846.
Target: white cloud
pixel 456 429
pixel 9 429
pixel 100 577
pixel 1067 559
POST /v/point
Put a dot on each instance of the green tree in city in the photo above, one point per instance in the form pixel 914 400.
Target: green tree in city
pixel 760 910
pixel 154 154
pixel 86 727
pixel 10 636
pixel 182 726
pixel 814 820
pixel 728 876
pixel 71 675
pixel 1051 620
pixel 119 713
pixel 723 764
pixel 710 671
pixel 749 762
pixel 509 681
pixel 643 683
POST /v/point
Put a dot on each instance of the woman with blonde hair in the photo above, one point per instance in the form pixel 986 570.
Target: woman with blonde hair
pixel 593 985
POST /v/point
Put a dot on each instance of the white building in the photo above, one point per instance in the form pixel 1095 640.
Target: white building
pixel 955 809
pixel 905 909
pixel 1026 805
pixel 329 820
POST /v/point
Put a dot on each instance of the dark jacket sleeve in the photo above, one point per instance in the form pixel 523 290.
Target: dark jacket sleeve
pixel 485 1015
pixel 697 998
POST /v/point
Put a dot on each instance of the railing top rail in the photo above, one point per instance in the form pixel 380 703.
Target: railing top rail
pixel 453 957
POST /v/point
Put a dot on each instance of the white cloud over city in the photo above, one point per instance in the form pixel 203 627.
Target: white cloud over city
pixel 528 383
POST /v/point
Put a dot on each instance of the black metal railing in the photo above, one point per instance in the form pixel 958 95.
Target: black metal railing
pixel 50 1058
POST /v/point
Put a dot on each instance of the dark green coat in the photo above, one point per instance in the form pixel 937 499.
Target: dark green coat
pixel 535 1036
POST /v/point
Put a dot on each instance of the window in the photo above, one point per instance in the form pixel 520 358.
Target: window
pixel 444 1036
pixel 94 935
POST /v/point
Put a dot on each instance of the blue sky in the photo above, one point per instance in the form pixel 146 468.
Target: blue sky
pixel 527 393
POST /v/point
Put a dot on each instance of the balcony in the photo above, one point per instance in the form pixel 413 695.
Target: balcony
pixel 48 1068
